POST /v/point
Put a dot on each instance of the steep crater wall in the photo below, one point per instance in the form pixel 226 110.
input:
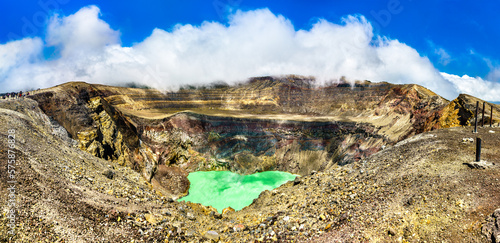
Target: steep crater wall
pixel 199 142
pixel 166 150
pixel 104 131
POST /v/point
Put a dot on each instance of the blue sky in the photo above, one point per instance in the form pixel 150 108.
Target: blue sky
pixel 458 39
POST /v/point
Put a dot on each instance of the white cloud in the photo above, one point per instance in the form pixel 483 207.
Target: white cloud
pixel 82 32
pixel 253 43
pixel 444 56
pixel 475 86
pixel 16 53
pixel 494 73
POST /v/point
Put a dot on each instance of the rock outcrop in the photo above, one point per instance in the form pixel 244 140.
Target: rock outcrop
pixel 99 128
pixel 492 227
pixel 462 112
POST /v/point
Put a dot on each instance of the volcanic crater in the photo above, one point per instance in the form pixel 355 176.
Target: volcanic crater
pixel 378 162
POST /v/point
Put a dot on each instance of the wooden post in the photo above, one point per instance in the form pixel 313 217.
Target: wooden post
pixel 478 149
pixel 491 117
pixel 475 124
pixel 482 120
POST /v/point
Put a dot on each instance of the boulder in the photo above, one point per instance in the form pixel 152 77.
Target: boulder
pixel 171 181
pixel 491 229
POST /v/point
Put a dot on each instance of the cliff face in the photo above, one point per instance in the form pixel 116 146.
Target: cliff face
pixel 462 112
pixel 268 123
pixel 99 128
pixel 201 142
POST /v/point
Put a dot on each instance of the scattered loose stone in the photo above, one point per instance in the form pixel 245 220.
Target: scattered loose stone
pixel 190 216
pixel 296 181
pixel 109 174
pixel 151 218
pixel 216 215
pixel 239 227
pixel 479 165
pixel 212 235
pixel 165 212
pixel 328 226
pixel 227 210
pixel 391 232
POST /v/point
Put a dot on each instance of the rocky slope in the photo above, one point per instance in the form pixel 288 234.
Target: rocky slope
pixel 419 189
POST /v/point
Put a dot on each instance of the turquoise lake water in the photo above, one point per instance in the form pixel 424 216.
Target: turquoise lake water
pixel 222 189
